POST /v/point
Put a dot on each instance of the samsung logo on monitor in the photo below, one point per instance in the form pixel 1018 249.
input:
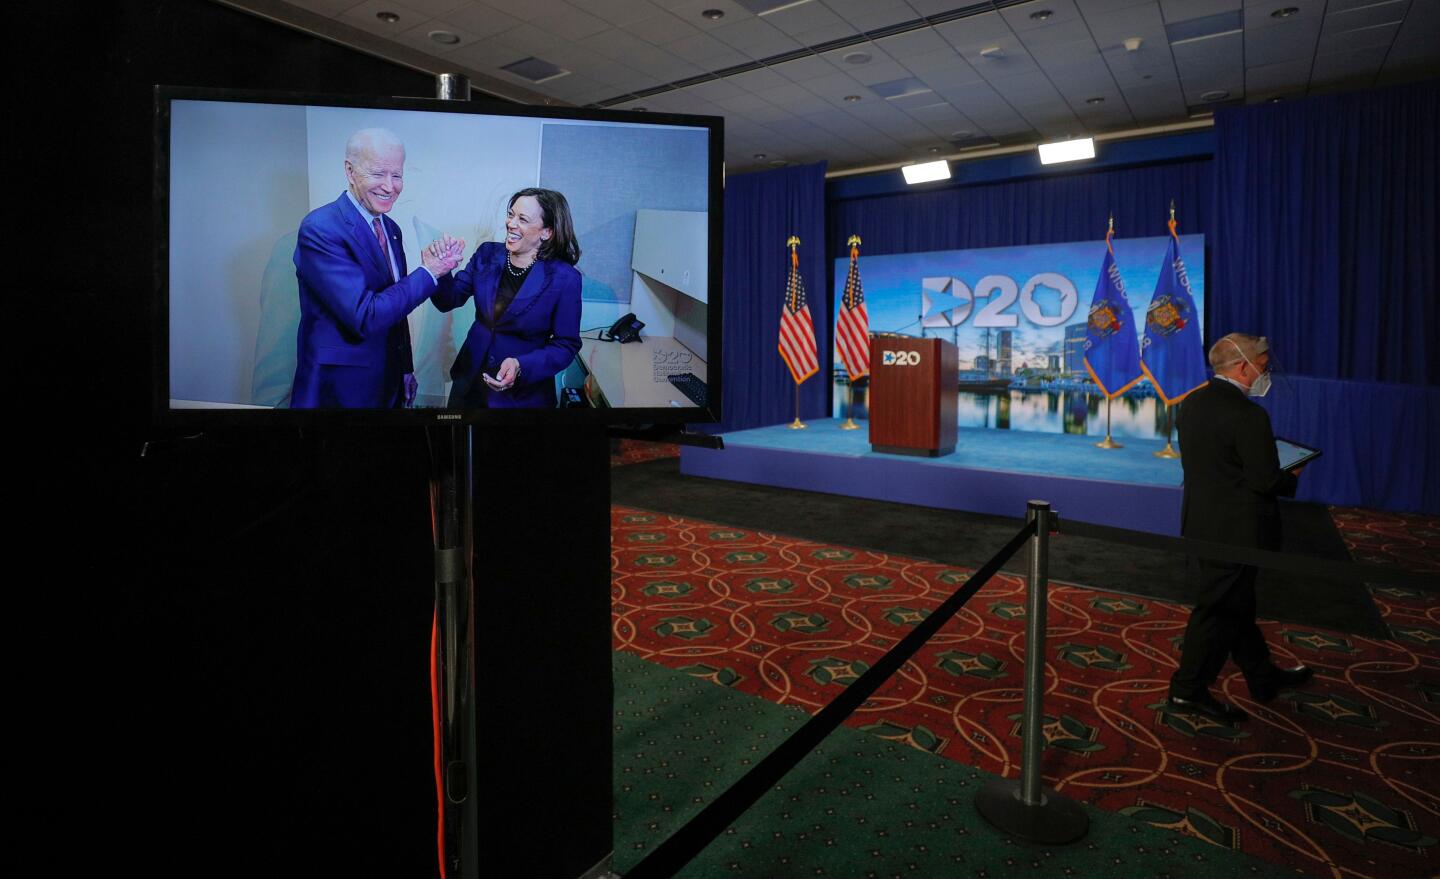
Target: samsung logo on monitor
pixel 448 417
pixel 900 358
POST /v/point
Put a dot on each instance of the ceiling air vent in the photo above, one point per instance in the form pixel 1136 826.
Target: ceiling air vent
pixel 535 70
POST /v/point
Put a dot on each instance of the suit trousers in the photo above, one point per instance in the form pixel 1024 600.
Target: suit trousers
pixel 1221 626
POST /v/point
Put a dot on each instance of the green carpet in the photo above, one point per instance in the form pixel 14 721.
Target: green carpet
pixel 858 806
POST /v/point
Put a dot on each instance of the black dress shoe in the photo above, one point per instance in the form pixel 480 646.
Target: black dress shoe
pixel 1208 705
pixel 1280 679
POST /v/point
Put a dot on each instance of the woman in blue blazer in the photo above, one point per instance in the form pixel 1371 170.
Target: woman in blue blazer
pixel 527 307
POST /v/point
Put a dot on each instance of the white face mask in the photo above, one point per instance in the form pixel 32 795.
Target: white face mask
pixel 1261 386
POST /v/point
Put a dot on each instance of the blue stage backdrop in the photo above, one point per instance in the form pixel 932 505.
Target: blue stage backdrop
pixel 1018 315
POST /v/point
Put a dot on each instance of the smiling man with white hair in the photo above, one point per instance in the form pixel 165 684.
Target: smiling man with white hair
pixel 1232 482
pixel 353 346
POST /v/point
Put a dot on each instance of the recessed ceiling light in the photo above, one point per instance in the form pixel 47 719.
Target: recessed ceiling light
pixel 1216 95
pixel 992 52
pixel 1094 100
pixel 445 38
pixel 759 156
pixel 856 58
pixel 934 149
pixel 1285 12
pixel 713 14
pixel 638 109
pixel 1275 100
pixel 387 17
pixel 778 162
pixel 1041 15
pixel 850 99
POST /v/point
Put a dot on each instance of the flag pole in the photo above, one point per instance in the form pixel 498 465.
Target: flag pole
pixel 1108 442
pixel 794 241
pixel 850 424
pixel 1169 450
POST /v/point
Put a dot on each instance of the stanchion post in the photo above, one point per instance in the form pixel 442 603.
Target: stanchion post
pixel 1025 808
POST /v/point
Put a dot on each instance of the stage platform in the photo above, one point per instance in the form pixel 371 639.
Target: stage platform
pixel 991 471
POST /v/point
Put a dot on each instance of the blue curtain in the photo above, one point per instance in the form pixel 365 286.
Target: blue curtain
pixel 1043 210
pixel 1326 232
pixel 762 210
pixel 1373 438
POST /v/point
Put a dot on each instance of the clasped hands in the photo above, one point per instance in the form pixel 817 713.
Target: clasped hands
pixel 442 255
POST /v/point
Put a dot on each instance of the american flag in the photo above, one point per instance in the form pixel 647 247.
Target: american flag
pixel 797 330
pixel 852 330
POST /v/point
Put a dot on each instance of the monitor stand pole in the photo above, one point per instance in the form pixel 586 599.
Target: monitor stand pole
pixel 452 507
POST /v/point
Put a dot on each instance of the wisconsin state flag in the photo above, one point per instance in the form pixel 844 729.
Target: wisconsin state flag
pixel 1173 355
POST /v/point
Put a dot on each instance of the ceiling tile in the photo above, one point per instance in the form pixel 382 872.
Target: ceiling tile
pixel 1347 66
pixel 705 50
pixel 913 43
pixel 804 69
pixel 1365 16
pixel 1065 33
pixel 758 80
pixel 481 21
pixel 661 29
pixel 418 37
pixel 615 44
pixel 1362 38
pixel 1101 7
pixel 1114 28
pixel 1188 10
pixel 1018 17
pixel 1290 40
pixel 625 12
pixel 795 20
pixel 1286 77
pixel 363 17
pixel 974 30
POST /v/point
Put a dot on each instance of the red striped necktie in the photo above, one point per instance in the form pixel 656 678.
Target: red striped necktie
pixel 384 250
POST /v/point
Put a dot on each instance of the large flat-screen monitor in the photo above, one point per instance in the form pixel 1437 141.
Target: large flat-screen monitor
pixel 426 261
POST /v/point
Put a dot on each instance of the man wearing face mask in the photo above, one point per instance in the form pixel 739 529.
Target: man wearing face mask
pixel 1232 482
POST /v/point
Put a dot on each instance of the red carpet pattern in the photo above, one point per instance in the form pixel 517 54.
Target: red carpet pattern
pixel 1337 779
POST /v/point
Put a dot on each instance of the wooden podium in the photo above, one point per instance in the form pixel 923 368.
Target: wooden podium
pixel 914 391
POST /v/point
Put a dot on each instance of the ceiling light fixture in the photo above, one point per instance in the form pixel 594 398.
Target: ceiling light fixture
pixel 713 14
pixel 856 58
pixel 759 156
pixel 934 149
pixel 387 17
pixel 1131 44
pixel 1067 150
pixel 1094 100
pixel 925 172
pixel 1041 15
pixel 1285 12
pixel 445 38
pixel 1216 95
pixel 992 52
pixel 850 99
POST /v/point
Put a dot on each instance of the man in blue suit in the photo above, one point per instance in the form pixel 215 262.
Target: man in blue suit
pixel 353 346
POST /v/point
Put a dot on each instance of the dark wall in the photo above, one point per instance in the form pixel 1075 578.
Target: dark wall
pixel 234 670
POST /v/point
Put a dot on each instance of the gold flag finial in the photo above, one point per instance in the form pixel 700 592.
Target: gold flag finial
pixel 1172 210
pixel 792 241
pixel 853 241
pixel 1111 229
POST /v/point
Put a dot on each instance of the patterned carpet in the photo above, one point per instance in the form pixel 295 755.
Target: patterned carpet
pixel 1336 780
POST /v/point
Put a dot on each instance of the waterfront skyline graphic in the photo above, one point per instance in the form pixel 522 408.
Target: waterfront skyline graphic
pixel 1043 276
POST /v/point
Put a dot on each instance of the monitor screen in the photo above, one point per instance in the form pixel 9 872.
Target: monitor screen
pixel 423 260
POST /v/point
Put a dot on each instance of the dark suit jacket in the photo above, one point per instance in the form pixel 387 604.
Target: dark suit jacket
pixel 540 328
pixel 353 347
pixel 1232 472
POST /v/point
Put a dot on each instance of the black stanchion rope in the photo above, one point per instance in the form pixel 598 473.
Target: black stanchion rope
pixel 684 844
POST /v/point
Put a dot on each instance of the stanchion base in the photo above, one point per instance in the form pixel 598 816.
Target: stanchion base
pixel 1108 443
pixel 797 424
pixel 849 425
pixel 1057 820
pixel 1167 452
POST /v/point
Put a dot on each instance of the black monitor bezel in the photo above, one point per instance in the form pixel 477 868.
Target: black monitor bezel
pixel 166 416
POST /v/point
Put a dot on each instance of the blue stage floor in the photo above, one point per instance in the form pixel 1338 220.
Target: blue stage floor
pixel 991 471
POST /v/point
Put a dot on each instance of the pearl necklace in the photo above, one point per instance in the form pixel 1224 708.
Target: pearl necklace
pixel 518 273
